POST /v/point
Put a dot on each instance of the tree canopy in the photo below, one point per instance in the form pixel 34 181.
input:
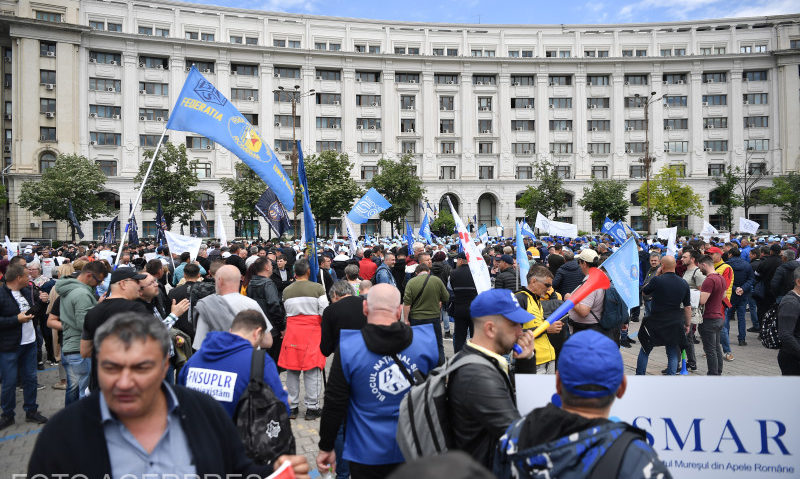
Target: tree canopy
pixel 400 185
pixel 605 198
pixel 331 189
pixel 725 193
pixel 243 192
pixel 785 194
pixel 548 197
pixel 669 196
pixel 172 180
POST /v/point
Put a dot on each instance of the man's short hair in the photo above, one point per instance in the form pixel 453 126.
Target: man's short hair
pixel 260 264
pixel 215 266
pixel 569 255
pixel 154 267
pixel 301 267
pixel 185 256
pixel 706 259
pixel 422 268
pixel 15 271
pixel 96 267
pixel 191 270
pixel 424 253
pixel 734 252
pixel 342 288
pixel 789 254
pixel 234 248
pixel 695 254
pixel 130 327
pixel 16 260
pixel 248 320
pixel 538 271
pixel 796 274
pixel 351 272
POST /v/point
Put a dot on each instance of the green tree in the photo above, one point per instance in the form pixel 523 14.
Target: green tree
pixel 171 181
pixel 548 197
pixel 444 224
pixel 72 178
pixel 669 196
pixel 400 185
pixel 785 194
pixel 726 195
pixel 331 189
pixel 605 198
pixel 243 192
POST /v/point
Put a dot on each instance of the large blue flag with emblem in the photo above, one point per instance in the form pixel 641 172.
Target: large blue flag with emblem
pixel 409 237
pixel 202 109
pixel 615 230
pixel 623 271
pixel 425 228
pixel 368 206
pixel 309 226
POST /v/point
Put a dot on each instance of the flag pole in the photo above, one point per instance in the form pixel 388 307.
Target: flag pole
pixel 139 196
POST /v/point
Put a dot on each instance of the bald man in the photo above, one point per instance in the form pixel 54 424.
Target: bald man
pixel 670 316
pixel 216 312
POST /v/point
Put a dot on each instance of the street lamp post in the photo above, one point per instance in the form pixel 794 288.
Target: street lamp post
pixel 295 95
pixel 648 160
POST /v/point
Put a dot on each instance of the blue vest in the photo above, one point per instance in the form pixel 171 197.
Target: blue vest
pixel 377 386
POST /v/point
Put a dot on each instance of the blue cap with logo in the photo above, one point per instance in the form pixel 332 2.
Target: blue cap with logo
pixel 499 301
pixel 590 365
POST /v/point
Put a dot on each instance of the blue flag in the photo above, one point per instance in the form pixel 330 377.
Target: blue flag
pixel 635 234
pixel 202 109
pixel 623 271
pixel 368 206
pixel 425 228
pixel 110 233
pixel 74 221
pixel 615 230
pixel 309 226
pixel 483 234
pixel 526 230
pixel 497 222
pixel 409 237
pixel 270 207
pixel 161 226
pixel 522 257
pixel 131 228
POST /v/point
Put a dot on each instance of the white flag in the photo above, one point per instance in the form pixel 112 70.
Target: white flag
pixel 708 229
pixel 556 228
pixel 220 230
pixel 748 226
pixel 351 235
pixel 179 244
pixel 12 248
pixel 671 235
pixel 542 222
pixel 477 266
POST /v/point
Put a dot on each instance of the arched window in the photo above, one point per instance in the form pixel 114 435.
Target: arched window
pixel 46 160
pixel 714 197
pixel 206 200
pixel 635 198
pixel 569 199
pixel 111 199
pixel 487 208
pixel 443 206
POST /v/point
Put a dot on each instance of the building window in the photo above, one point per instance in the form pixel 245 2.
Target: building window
pixel 756 121
pixel 406 78
pixel 485 126
pixel 757 169
pixel 47 49
pixel 408 102
pixel 447 173
pixel 371 77
pixel 679 169
pixel 523 80
pixel 676 124
pixel 247 94
pixel 641 53
pixel 252 118
pixel 674 78
pixel 562 80
pixel 409 147
pixel 49 16
pixel 486 172
pixel 756 145
pixel 560 148
pixel 152 114
pixel 331 75
pixel 755 98
pixel 755 75
pixel 45 77
pixel 202 65
pixel 149 141
pixel 484 80
pixel 445 79
pixel 563 171
pixel 241 69
pixel 446 103
pixel 368 172
pixel 158 63
pixel 593 103
pixel 600 172
pixel 715 77
pixel 108 167
pixel 560 103
pixel 46 160
pixel 669 101
pixel 522 103
pixel 329 98
pixel 634 147
pixel 523 149
pixel 206 201
pixel 597 80
pixel 762 219
pixel 286 72
pixel 199 143
pixel 47 105
pixel 369 148
pixel 106 139
pixel 522 125
pixel 676 146
pixel 599 148
pixel 104 84
pixel 202 170
pixel 637 171
pixel 716 100
pixel 105 111
pixel 407 125
pixel 446 126
pixel 368 123
pixel 329 146
pixel 485 148
pixel 715 145
pixel 195 227
pixel 560 125
pixel 716 169
pixel 368 100
pixel 715 122
pixel 448 148
pixel 105 57
pixel 236 39
pixel 329 122
pixel 631 125
pixel 636 79
pixel 47 134
pixel 524 173
pixel 160 89
pixel 251 40
pixel 285 121
pixel 598 125
pixel 484 103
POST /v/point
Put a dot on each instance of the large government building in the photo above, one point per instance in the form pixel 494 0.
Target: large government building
pixel 476 105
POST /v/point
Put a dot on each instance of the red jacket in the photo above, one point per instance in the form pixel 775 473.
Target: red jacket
pixel 367 268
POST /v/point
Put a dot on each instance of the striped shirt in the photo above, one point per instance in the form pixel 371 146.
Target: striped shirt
pixel 304 298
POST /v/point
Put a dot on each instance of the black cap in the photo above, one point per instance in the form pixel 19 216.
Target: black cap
pixel 125 273
pixel 507 258
pixel 461 255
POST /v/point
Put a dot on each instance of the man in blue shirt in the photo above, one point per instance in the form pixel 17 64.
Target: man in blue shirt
pixel 221 367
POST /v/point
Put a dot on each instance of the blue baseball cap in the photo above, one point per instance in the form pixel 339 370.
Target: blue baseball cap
pixel 589 358
pixel 499 301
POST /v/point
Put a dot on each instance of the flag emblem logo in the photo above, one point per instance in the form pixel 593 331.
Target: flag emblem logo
pixel 207 92
pixel 245 136
pixel 275 211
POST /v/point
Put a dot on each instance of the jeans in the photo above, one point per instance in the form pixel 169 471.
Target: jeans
pixel 710 334
pixel 24 361
pixel 445 319
pixel 751 303
pixel 673 354
pixel 78 372
pixel 738 307
pixel 463 327
pixel 312 380
pixel 342 466
pixel 725 334
pixel 437 330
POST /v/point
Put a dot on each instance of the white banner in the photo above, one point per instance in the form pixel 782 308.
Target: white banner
pixel 180 243
pixel 724 237
pixel 556 228
pixel 219 229
pixel 708 229
pixel 542 222
pixel 671 235
pixel 696 428
pixel 748 226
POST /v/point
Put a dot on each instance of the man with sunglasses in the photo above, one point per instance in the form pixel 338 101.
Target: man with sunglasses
pixel 540 281
pixel 77 298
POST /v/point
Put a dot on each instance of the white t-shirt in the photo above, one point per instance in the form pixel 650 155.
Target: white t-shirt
pixel 28 332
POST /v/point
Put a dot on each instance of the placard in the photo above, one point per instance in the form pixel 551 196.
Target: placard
pixel 704 426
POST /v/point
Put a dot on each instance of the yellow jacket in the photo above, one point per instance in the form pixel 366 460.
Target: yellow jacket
pixel 544 351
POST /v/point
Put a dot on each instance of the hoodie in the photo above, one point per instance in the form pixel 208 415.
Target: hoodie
pixel 76 300
pixel 551 442
pixel 568 277
pixel 221 369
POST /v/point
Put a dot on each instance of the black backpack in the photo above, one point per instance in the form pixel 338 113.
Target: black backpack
pixel 769 335
pixel 615 311
pixel 262 419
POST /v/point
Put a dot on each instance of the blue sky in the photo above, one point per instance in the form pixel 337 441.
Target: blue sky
pixel 525 11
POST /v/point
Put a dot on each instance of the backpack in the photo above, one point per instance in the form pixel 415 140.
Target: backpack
pixel 615 311
pixel 423 426
pixel 769 329
pixel 261 418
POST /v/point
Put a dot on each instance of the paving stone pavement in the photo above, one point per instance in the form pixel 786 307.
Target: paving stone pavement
pixel 17 441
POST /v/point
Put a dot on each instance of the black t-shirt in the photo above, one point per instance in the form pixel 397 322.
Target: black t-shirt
pixel 669 292
pixel 98 315
pixel 347 313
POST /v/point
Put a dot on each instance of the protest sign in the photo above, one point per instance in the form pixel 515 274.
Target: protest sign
pixel 180 243
pixel 695 431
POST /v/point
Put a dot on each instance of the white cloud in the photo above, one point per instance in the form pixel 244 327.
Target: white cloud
pixel 674 9
pixel 293 6
pixel 769 7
